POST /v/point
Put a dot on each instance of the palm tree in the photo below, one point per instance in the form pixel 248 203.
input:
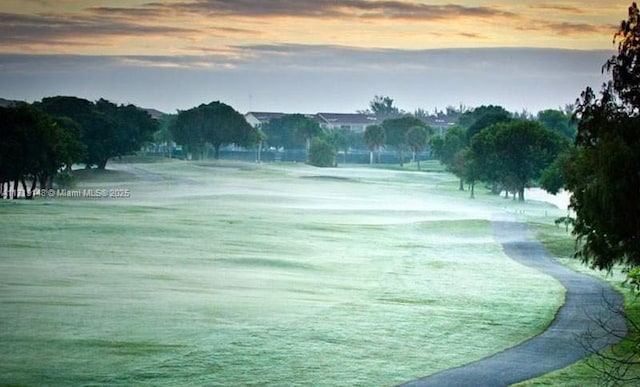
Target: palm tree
pixel 417 138
pixel 374 137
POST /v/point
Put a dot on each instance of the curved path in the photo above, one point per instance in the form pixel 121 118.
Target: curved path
pixel 556 347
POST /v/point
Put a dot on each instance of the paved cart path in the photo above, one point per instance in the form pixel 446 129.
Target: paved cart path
pixel 558 346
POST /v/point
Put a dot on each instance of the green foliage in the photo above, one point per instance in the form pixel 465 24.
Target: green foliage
pixel 552 179
pixel 417 138
pixel 382 106
pixel 322 153
pixel 602 173
pixel 106 129
pixel 292 131
pixel 35 146
pixel 448 149
pixel 559 122
pixel 633 278
pixel 340 139
pixel 216 124
pixel 396 130
pixel 602 170
pixel 515 153
pixel 482 117
pixel 374 137
pixel 625 66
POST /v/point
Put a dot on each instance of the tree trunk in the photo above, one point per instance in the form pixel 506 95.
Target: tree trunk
pixel 102 164
pixel 473 191
pixel 461 186
pixel 521 194
pixel 33 186
pixel 216 152
pixel 15 188
pixel 418 164
pixel 27 194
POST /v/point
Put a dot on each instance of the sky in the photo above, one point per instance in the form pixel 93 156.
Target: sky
pixel 307 56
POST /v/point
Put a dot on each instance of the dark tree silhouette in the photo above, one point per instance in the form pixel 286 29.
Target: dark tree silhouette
pixel 107 130
pixel 216 124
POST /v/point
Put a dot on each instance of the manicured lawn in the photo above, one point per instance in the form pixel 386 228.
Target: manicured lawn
pixel 560 245
pixel 220 273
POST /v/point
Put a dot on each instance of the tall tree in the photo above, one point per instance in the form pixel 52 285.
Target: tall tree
pixel 488 159
pixel 558 121
pixel 482 117
pixel 446 149
pixel 129 127
pixel 382 106
pixel 340 140
pixel 396 132
pixel 107 130
pixel 602 170
pixel 34 147
pixel 602 173
pixel 291 131
pixel 417 139
pixel 625 66
pixel 374 137
pixel 216 124
pixel 516 153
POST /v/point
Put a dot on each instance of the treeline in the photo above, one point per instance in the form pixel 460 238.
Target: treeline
pixel 507 152
pixel 489 144
pixel 212 126
pixel 46 137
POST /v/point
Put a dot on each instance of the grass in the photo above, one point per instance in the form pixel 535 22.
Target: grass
pixel 223 273
pixel 560 244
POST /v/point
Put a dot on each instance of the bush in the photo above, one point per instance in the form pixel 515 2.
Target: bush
pixel 321 153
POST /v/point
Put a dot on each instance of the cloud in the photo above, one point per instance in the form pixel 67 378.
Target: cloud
pixel 567 28
pixel 73 29
pixel 369 9
pixel 558 7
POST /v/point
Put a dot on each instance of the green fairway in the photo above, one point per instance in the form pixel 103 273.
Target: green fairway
pixel 222 273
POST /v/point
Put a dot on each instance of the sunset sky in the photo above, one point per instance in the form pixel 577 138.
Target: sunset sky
pixel 307 55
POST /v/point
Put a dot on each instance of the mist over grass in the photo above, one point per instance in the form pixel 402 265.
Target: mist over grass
pixel 240 274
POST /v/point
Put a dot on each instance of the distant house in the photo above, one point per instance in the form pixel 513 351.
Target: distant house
pixel 440 125
pixel 354 122
pixel 258 118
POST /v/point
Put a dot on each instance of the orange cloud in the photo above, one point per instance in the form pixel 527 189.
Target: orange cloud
pixel 179 27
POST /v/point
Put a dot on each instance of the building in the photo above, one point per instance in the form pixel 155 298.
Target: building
pixel 440 125
pixel 258 118
pixel 353 122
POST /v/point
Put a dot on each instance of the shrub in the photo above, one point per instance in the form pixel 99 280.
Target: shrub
pixel 321 153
